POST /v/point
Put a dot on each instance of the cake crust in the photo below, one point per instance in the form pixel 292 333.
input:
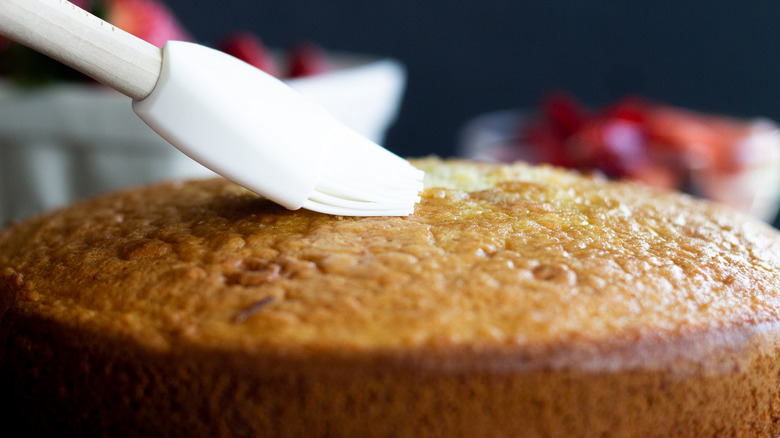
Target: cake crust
pixel 542 300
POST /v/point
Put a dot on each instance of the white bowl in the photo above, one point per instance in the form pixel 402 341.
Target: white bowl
pixel 753 189
pixel 67 142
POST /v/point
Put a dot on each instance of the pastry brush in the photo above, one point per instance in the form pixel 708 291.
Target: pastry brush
pixel 231 117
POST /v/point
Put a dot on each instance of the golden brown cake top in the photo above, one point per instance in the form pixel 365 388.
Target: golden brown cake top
pixel 514 261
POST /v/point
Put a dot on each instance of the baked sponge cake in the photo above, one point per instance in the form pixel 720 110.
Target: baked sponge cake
pixel 516 301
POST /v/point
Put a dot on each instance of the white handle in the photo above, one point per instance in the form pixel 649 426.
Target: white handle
pixel 80 40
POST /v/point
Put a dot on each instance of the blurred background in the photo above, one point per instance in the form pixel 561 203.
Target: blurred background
pixel 466 58
pixel 463 60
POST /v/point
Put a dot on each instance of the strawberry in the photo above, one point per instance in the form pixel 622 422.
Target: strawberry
pixel 616 147
pixel 149 20
pixel 631 108
pixel 561 115
pixel 563 112
pixel 308 59
pixel 247 47
pixel 548 144
pixel 659 175
pixel 654 143
pixel 683 133
pixel 699 139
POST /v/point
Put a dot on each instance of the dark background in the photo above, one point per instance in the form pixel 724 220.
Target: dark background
pixel 466 58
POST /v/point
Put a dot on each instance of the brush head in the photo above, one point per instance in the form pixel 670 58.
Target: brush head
pixel 360 178
pixel 256 131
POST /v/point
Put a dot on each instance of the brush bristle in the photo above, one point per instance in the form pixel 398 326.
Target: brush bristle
pixel 360 178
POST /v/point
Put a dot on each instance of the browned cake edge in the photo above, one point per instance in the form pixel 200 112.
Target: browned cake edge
pixel 60 379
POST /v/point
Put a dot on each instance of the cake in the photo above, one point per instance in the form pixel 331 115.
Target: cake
pixel 516 301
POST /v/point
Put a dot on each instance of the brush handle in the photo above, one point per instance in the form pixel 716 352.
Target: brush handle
pixel 84 42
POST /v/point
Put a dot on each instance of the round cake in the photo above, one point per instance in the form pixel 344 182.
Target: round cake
pixel 515 301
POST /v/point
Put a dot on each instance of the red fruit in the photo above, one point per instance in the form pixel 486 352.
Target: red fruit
pixel 149 20
pixel 632 109
pixel 656 175
pixel 308 59
pixel 633 138
pixel 686 134
pixel 547 144
pixel 561 116
pixel 616 147
pixel 247 47
pixel 700 140
pixel 563 112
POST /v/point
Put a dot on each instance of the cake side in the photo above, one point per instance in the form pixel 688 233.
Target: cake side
pixel 69 381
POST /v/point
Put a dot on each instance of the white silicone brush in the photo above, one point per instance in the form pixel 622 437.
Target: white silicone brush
pixel 231 117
